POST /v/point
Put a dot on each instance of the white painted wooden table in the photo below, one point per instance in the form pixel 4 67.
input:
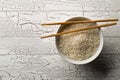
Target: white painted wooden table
pixel 24 56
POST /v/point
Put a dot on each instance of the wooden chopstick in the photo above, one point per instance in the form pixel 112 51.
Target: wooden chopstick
pixel 81 29
pixel 87 21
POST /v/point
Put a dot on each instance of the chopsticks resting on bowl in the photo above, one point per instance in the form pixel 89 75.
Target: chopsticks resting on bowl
pixel 75 22
pixel 81 29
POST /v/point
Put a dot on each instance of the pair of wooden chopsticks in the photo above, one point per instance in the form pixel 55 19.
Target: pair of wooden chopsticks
pixel 81 29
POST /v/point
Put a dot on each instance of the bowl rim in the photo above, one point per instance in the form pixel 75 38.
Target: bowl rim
pixel 93 57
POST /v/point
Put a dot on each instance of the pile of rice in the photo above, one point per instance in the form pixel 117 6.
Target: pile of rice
pixel 79 45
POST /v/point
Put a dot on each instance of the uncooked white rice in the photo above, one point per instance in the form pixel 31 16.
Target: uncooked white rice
pixel 79 45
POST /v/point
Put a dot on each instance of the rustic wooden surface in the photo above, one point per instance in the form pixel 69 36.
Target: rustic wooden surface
pixel 24 56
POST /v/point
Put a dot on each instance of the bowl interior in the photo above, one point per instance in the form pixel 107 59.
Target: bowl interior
pixel 86 60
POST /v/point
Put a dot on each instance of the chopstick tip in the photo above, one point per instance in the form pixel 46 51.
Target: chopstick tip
pixel 41 37
pixel 42 24
pixel 116 19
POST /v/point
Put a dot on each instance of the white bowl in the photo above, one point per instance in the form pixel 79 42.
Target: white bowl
pixel 93 57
